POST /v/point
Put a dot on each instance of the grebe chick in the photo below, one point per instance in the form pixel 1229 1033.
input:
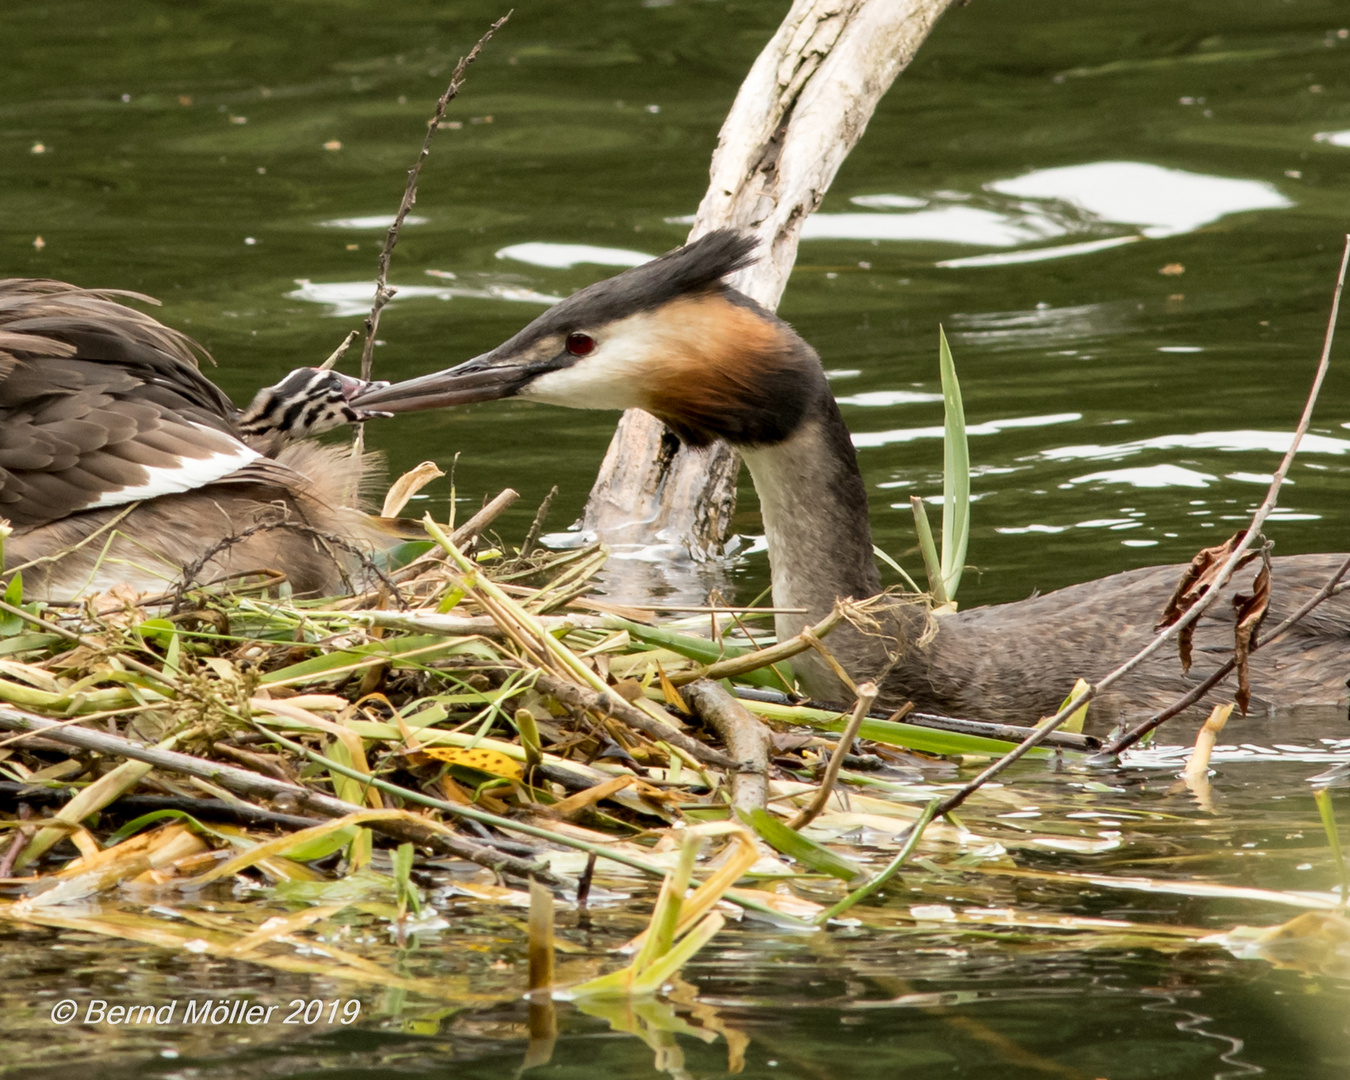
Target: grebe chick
pixel 120 462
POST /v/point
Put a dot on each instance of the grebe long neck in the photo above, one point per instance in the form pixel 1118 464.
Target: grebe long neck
pixel 814 506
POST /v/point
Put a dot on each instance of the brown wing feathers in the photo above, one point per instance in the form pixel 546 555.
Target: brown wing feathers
pixel 98 399
pixel 110 432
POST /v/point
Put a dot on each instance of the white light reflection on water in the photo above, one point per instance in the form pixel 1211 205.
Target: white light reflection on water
pixel 1148 200
pixel 371 221
pixel 348 298
pixel 1148 476
pixel 1047 204
pixel 945 224
pixel 1060 251
pixel 566 256
pixel 1044 325
pixel 863 439
pixel 873 399
pixel 1318 752
pixel 1275 442
pixel 1161 202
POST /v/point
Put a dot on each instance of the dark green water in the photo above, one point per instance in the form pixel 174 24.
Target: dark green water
pixel 1121 415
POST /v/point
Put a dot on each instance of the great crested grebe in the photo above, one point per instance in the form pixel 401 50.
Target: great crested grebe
pixel 121 462
pixel 672 338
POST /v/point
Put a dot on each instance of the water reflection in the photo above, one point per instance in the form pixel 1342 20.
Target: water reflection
pixel 1147 476
pixel 1046 204
pixel 1013 258
pixel 566 256
pixel 864 439
pixel 947 224
pixel 345 299
pixel 1044 325
pixel 1273 442
pixel 371 221
pixel 1160 202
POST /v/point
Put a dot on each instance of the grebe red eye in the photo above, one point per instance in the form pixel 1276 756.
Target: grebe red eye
pixel 579 344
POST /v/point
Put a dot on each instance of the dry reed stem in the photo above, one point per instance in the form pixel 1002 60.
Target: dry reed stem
pixel 609 703
pixel 759 658
pixel 867 693
pixel 541 938
pixel 1196 772
pixel 383 293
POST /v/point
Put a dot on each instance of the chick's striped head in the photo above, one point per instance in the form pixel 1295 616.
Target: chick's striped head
pixel 306 402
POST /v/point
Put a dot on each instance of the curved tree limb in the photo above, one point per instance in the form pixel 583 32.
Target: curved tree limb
pixel 802 108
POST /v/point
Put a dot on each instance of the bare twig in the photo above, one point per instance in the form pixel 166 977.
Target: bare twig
pixel 383 293
pixel 867 693
pixel 250 784
pixel 469 531
pixel 462 536
pixel 338 353
pixel 21 837
pixel 1038 735
pixel 537 525
pixel 191 571
pixel 9 571
pixel 745 736
pixel 576 696
pixel 1124 742
pixel 759 658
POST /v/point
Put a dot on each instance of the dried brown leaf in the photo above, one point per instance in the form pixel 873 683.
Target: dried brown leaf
pixel 408 485
pixel 1250 612
pixel 584 800
pixel 1195 582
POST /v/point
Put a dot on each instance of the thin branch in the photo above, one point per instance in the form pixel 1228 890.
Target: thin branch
pixel 383 293
pixel 745 736
pixel 867 693
pixel 194 568
pixel 1039 734
pixel 250 784
pixel 338 353
pixel 1331 588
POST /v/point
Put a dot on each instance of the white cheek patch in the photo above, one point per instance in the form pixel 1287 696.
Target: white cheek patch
pixel 610 377
pixel 187 474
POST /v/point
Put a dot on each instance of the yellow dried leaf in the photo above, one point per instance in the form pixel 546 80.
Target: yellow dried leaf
pixel 408 485
pixel 488 761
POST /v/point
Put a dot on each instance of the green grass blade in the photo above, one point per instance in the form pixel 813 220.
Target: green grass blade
pixel 703 650
pixel 805 851
pixel 1324 808
pixel 910 736
pixel 932 565
pixel 896 567
pixel 650 980
pixel 955 473
pixel 887 872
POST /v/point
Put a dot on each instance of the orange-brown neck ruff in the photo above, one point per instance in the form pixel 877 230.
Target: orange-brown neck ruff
pixel 729 370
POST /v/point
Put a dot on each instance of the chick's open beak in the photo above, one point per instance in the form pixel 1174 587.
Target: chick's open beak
pixel 478 379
